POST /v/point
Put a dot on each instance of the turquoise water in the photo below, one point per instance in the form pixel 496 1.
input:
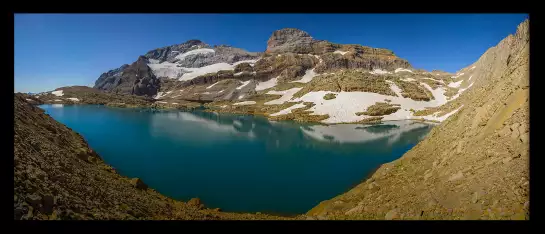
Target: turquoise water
pixel 239 163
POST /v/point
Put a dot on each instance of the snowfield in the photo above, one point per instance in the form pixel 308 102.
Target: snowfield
pixel 244 84
pixel 309 74
pixel 286 96
pixel 267 84
pixel 340 52
pixel 288 110
pixel 58 93
pixel 402 69
pixel 379 72
pixel 172 70
pixel 244 103
pixel 193 52
pixel 455 84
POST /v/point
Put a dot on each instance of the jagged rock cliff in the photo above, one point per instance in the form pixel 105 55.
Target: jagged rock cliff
pixel 475 165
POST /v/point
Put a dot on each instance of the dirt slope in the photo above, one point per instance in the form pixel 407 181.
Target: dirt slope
pixel 474 165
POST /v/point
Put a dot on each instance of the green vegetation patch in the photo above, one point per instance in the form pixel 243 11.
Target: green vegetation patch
pixel 380 108
pixel 330 96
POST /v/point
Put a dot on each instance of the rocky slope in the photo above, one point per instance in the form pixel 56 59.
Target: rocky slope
pixel 475 165
pixel 57 176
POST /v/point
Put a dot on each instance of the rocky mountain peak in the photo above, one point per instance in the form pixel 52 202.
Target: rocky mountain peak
pixel 286 38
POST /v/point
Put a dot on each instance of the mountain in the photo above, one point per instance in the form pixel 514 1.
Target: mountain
pixel 474 165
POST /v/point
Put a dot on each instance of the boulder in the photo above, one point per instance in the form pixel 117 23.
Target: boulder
pixel 139 184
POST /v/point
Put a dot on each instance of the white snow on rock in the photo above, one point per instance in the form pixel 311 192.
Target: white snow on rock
pixel 455 84
pixel 58 93
pixel 309 75
pixel 196 51
pixel 244 103
pixel 241 96
pixel 460 91
pixel 408 79
pixel 244 83
pixel 172 70
pixel 74 99
pixel 159 95
pixel 223 106
pixel 267 84
pixel 395 88
pixel 357 133
pixel 379 72
pixel 28 99
pixel 470 77
pixel 340 52
pixel 426 78
pixel 153 61
pixel 286 96
pixel 238 73
pixel 206 93
pixel 456 76
pixel 441 118
pixel 288 110
pixel 176 96
pixel 402 70
pixel 175 103
pixel 473 67
pixel 163 102
pixel 221 91
pixel 344 107
pixel 58 100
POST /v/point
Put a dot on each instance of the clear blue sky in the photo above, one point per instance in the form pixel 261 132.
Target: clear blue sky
pixel 54 50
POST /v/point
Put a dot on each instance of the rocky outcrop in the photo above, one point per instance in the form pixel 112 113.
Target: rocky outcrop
pixel 135 79
pixel 168 53
pixel 475 165
pixel 109 80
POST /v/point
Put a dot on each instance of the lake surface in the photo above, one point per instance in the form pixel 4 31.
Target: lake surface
pixel 239 163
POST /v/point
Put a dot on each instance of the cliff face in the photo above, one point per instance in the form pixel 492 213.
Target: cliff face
pixel 475 165
pixel 57 176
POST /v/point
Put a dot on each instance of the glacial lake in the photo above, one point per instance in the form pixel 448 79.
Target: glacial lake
pixel 239 163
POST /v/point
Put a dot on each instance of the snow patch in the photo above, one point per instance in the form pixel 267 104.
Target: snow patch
pixel 163 102
pixel 58 100
pixel 212 85
pixel 309 75
pixel 473 67
pixel 288 110
pixel 470 77
pixel 267 84
pixel 395 88
pixel 153 61
pixel 241 96
pixel 73 99
pixel 441 118
pixel 58 93
pixel 286 96
pixel 244 84
pixel 238 73
pixel 402 70
pixel 408 79
pixel 159 95
pixel 193 52
pixel 175 103
pixel 379 72
pixel 206 93
pixel 340 52
pixel 244 103
pixel 455 84
pixel 456 76
pixel 28 99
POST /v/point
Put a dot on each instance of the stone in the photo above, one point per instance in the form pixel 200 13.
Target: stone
pixel 139 184
pixel 456 176
pixel 48 201
pixel 196 202
pixel 34 200
pixel 392 214
pixel 524 138
pixel 506 160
